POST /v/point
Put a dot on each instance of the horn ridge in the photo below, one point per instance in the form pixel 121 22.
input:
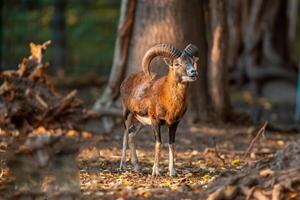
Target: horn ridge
pixel 164 50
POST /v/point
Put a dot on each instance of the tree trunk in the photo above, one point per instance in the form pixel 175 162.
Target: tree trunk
pixel 259 40
pixel 59 31
pixel 235 20
pixel 199 99
pixel 166 21
pixel 293 16
pixel 217 71
pixel 120 55
pixel 170 21
pixel 1 33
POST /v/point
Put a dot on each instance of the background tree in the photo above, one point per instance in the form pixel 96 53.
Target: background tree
pixel 59 34
pixel 259 39
pixel 169 21
pixel 1 30
pixel 217 70
pixel 178 23
pixel 175 22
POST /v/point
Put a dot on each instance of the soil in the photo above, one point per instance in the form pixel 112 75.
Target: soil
pixel 196 161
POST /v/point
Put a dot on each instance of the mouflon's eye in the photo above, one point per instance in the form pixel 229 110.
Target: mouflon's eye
pixel 176 64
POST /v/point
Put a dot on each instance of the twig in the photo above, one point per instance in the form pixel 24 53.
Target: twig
pixel 259 133
pixel 2 172
pixel 41 101
pixel 217 152
pixel 250 192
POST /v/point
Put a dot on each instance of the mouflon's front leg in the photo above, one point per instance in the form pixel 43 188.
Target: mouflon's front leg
pixel 172 131
pixel 156 130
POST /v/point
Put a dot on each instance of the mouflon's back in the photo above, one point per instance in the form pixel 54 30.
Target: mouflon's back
pixel 134 92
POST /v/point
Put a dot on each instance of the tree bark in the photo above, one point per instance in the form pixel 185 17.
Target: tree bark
pixel 59 32
pixel 120 55
pixel 217 71
pixel 164 21
pixel 263 51
pixel 199 99
pixel 178 23
pixel 293 16
pixel 1 33
pixel 235 20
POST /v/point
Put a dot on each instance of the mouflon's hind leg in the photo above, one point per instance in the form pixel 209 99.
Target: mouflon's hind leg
pixel 128 122
pixel 172 131
pixel 134 159
pixel 156 130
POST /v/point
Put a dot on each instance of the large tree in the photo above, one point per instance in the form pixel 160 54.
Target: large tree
pixel 260 40
pixel 1 33
pixel 146 23
pixel 217 70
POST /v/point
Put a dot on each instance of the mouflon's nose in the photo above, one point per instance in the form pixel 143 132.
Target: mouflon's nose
pixel 192 72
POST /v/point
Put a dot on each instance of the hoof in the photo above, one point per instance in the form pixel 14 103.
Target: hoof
pixel 122 166
pixel 137 168
pixel 172 173
pixel 155 172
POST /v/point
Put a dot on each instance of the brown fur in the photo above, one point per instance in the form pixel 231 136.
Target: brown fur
pixel 159 99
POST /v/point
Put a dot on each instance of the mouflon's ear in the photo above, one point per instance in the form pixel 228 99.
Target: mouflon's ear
pixel 195 59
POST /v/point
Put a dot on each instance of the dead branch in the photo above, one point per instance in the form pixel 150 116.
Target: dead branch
pixel 41 101
pixel 217 152
pixel 272 178
pixel 259 133
pixel 35 125
pixel 28 99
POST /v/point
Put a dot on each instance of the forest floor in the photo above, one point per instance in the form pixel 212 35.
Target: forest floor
pixel 203 153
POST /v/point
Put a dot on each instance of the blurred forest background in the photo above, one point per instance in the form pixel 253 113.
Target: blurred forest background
pixel 87 27
pixel 84 32
pixel 84 29
pixel 253 46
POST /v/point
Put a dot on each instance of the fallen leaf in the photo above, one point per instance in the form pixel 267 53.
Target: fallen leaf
pixel 266 172
pixel 293 195
pixel 126 182
pixel 235 162
pixel 165 184
pixel 72 133
pixel 41 129
pixel 86 135
pixel 146 194
pixel 15 133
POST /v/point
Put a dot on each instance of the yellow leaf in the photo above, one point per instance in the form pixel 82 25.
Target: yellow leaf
pixel 72 133
pixel 126 182
pixel 235 162
pixel 165 183
pixel 293 195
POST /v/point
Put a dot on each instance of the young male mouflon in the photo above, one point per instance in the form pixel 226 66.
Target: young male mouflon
pixel 148 100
